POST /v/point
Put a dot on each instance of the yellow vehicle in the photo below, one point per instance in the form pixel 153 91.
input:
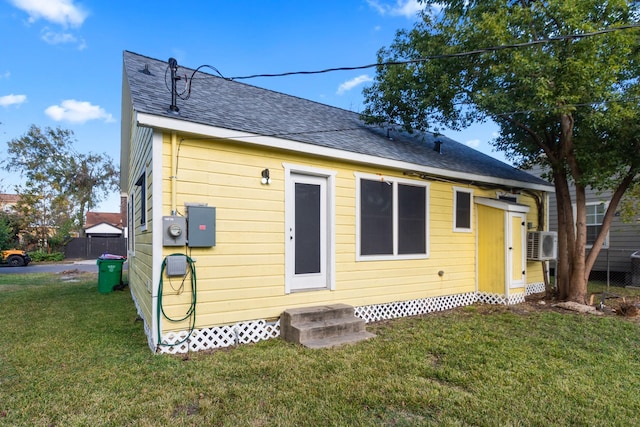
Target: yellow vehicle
pixel 15 258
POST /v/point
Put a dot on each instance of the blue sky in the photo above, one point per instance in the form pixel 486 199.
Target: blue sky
pixel 61 60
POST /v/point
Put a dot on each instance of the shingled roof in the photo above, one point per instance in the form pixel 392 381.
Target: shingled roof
pixel 226 104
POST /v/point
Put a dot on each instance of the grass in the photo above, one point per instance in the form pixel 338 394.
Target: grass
pixel 72 356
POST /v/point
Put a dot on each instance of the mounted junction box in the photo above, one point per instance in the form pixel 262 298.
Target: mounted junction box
pixel 201 225
pixel 176 265
pixel 174 231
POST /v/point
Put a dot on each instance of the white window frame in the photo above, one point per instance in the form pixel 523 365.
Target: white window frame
pixel 141 183
pixel 131 224
pixel 605 244
pixel 457 229
pixel 394 182
pixel 330 176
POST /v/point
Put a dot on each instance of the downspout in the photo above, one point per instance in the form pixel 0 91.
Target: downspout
pixel 174 173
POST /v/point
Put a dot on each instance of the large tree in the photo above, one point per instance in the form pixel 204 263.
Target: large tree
pixel 559 77
pixel 61 184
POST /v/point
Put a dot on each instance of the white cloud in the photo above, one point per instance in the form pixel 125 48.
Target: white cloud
pixel 350 84
pixel 12 99
pixel 77 112
pixel 473 143
pixel 54 38
pixel 406 8
pixel 63 12
pixel 5 75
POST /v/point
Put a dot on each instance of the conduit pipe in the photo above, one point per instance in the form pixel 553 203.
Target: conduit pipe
pixel 174 173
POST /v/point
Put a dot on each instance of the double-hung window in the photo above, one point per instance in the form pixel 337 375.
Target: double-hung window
pixel 392 218
pixel 595 216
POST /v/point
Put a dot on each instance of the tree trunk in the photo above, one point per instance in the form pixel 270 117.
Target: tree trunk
pixel 577 289
pixel 565 233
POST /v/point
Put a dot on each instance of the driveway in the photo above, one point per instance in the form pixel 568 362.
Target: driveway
pixel 88 265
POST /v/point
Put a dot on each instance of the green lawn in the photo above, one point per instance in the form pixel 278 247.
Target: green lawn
pixel 72 356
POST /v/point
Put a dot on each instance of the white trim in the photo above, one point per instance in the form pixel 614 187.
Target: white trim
pixel 181 125
pixel 394 181
pixel 330 176
pixel 144 197
pixel 455 206
pixel 156 223
pixel 523 250
pixel 605 244
pixel 131 224
pixel 501 204
pixel 103 228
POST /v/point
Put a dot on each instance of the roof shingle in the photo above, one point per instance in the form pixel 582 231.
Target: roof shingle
pixel 219 102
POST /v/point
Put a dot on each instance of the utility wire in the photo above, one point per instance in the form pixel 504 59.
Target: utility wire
pixel 447 55
pixel 425 59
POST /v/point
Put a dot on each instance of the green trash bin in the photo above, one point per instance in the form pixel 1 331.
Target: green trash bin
pixel 109 273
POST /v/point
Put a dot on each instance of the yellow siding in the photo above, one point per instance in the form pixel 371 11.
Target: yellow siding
pixel 141 259
pixel 491 252
pixel 243 276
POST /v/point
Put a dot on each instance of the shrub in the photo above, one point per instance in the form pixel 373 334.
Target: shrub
pixel 43 256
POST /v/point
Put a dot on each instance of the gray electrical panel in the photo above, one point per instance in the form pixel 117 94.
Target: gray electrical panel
pixel 176 265
pixel 174 231
pixel 201 226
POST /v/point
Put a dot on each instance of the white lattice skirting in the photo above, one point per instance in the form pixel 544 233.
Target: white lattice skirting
pixel 259 330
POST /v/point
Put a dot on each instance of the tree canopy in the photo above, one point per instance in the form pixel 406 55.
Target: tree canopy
pixel 61 184
pixel 559 78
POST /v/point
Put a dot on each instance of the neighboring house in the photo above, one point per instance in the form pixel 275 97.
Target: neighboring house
pixel 8 202
pixel 104 224
pixel 279 202
pixel 614 262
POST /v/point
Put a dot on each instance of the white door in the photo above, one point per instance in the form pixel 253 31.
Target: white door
pixel 516 250
pixel 307 257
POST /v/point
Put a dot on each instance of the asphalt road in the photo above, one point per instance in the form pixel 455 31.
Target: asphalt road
pixel 86 265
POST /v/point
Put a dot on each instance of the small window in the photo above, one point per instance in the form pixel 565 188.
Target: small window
pixel 508 197
pixel 131 225
pixel 595 216
pixel 462 209
pixel 392 218
pixel 142 184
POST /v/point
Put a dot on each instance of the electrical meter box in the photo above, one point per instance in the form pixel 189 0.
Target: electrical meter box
pixel 174 231
pixel 201 226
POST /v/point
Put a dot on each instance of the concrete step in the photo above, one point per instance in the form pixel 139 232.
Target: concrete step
pixel 322 326
pixel 322 312
pixel 339 340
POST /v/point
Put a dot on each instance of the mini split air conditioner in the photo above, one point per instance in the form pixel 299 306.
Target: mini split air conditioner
pixel 542 245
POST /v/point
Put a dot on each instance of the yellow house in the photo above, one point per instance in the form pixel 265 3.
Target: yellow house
pixel 244 202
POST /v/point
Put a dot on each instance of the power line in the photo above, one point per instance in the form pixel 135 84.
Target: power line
pixel 446 55
pixel 575 36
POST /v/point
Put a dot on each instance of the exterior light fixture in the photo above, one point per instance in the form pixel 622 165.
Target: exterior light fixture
pixel 266 179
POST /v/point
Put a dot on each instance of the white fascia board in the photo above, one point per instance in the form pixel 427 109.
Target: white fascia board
pixel 179 125
pixel 103 228
pixel 502 204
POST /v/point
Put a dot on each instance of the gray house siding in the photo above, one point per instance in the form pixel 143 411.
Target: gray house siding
pixel 624 240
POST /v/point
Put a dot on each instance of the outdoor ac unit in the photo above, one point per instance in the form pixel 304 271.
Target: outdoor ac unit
pixel 542 245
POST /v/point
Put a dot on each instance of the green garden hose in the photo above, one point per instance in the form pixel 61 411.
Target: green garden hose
pixel 191 312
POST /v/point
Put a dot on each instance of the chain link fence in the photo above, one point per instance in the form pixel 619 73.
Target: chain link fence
pixel 614 267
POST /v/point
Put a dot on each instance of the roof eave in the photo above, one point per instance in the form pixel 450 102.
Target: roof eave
pixel 181 125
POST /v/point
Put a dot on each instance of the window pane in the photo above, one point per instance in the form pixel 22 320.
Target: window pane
pixel 595 215
pixel 463 209
pixel 307 223
pixel 376 218
pixel 592 233
pixel 411 220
